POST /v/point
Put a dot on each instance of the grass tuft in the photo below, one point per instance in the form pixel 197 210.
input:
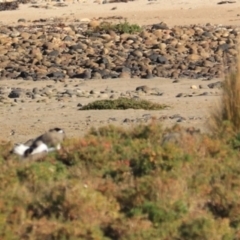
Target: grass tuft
pixel 122 27
pixel 226 117
pixel 123 103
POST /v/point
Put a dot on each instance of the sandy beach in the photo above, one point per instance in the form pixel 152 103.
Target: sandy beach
pixel 142 12
pixel 23 120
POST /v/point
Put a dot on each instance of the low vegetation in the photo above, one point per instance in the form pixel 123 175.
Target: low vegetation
pixel 228 111
pixel 123 103
pixel 143 183
pixel 122 27
pixel 124 184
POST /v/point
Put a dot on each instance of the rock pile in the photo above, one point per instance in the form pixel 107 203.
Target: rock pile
pixel 24 1
pixel 55 50
pixel 6 6
pixel 12 5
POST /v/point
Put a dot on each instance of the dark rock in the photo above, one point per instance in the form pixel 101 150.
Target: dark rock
pixel 23 74
pixel 181 119
pixel 161 59
pixel 127 120
pixel 158 58
pixel 6 6
pixel 175 116
pixel 56 75
pixel 204 94
pixel 154 57
pixel 23 20
pixel 16 93
pixel 77 47
pixel 143 88
pixel 78 75
pixel 68 38
pixel 103 60
pixel 224 47
pixel 215 85
pixel 53 53
pixel 207 34
pixel 36 90
pixel 161 25
pixel 149 76
pixel 87 74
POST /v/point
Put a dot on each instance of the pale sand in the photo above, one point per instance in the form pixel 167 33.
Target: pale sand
pixel 31 119
pixel 143 12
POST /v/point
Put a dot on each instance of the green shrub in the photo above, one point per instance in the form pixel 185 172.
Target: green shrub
pixel 123 103
pixel 45 171
pixel 158 213
pixel 205 229
pixel 116 183
pixel 122 27
pixel 197 229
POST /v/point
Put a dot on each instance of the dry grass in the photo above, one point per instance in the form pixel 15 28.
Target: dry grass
pixel 143 183
pixel 226 116
pixel 124 184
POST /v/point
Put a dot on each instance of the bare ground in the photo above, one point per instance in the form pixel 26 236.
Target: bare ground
pixel 28 119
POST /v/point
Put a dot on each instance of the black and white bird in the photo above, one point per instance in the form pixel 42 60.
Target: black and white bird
pixel 53 138
pixel 48 142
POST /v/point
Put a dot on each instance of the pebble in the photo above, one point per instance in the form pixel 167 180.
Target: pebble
pixel 143 88
pixel 56 56
pixel 194 51
pixel 194 87
pixel 215 85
